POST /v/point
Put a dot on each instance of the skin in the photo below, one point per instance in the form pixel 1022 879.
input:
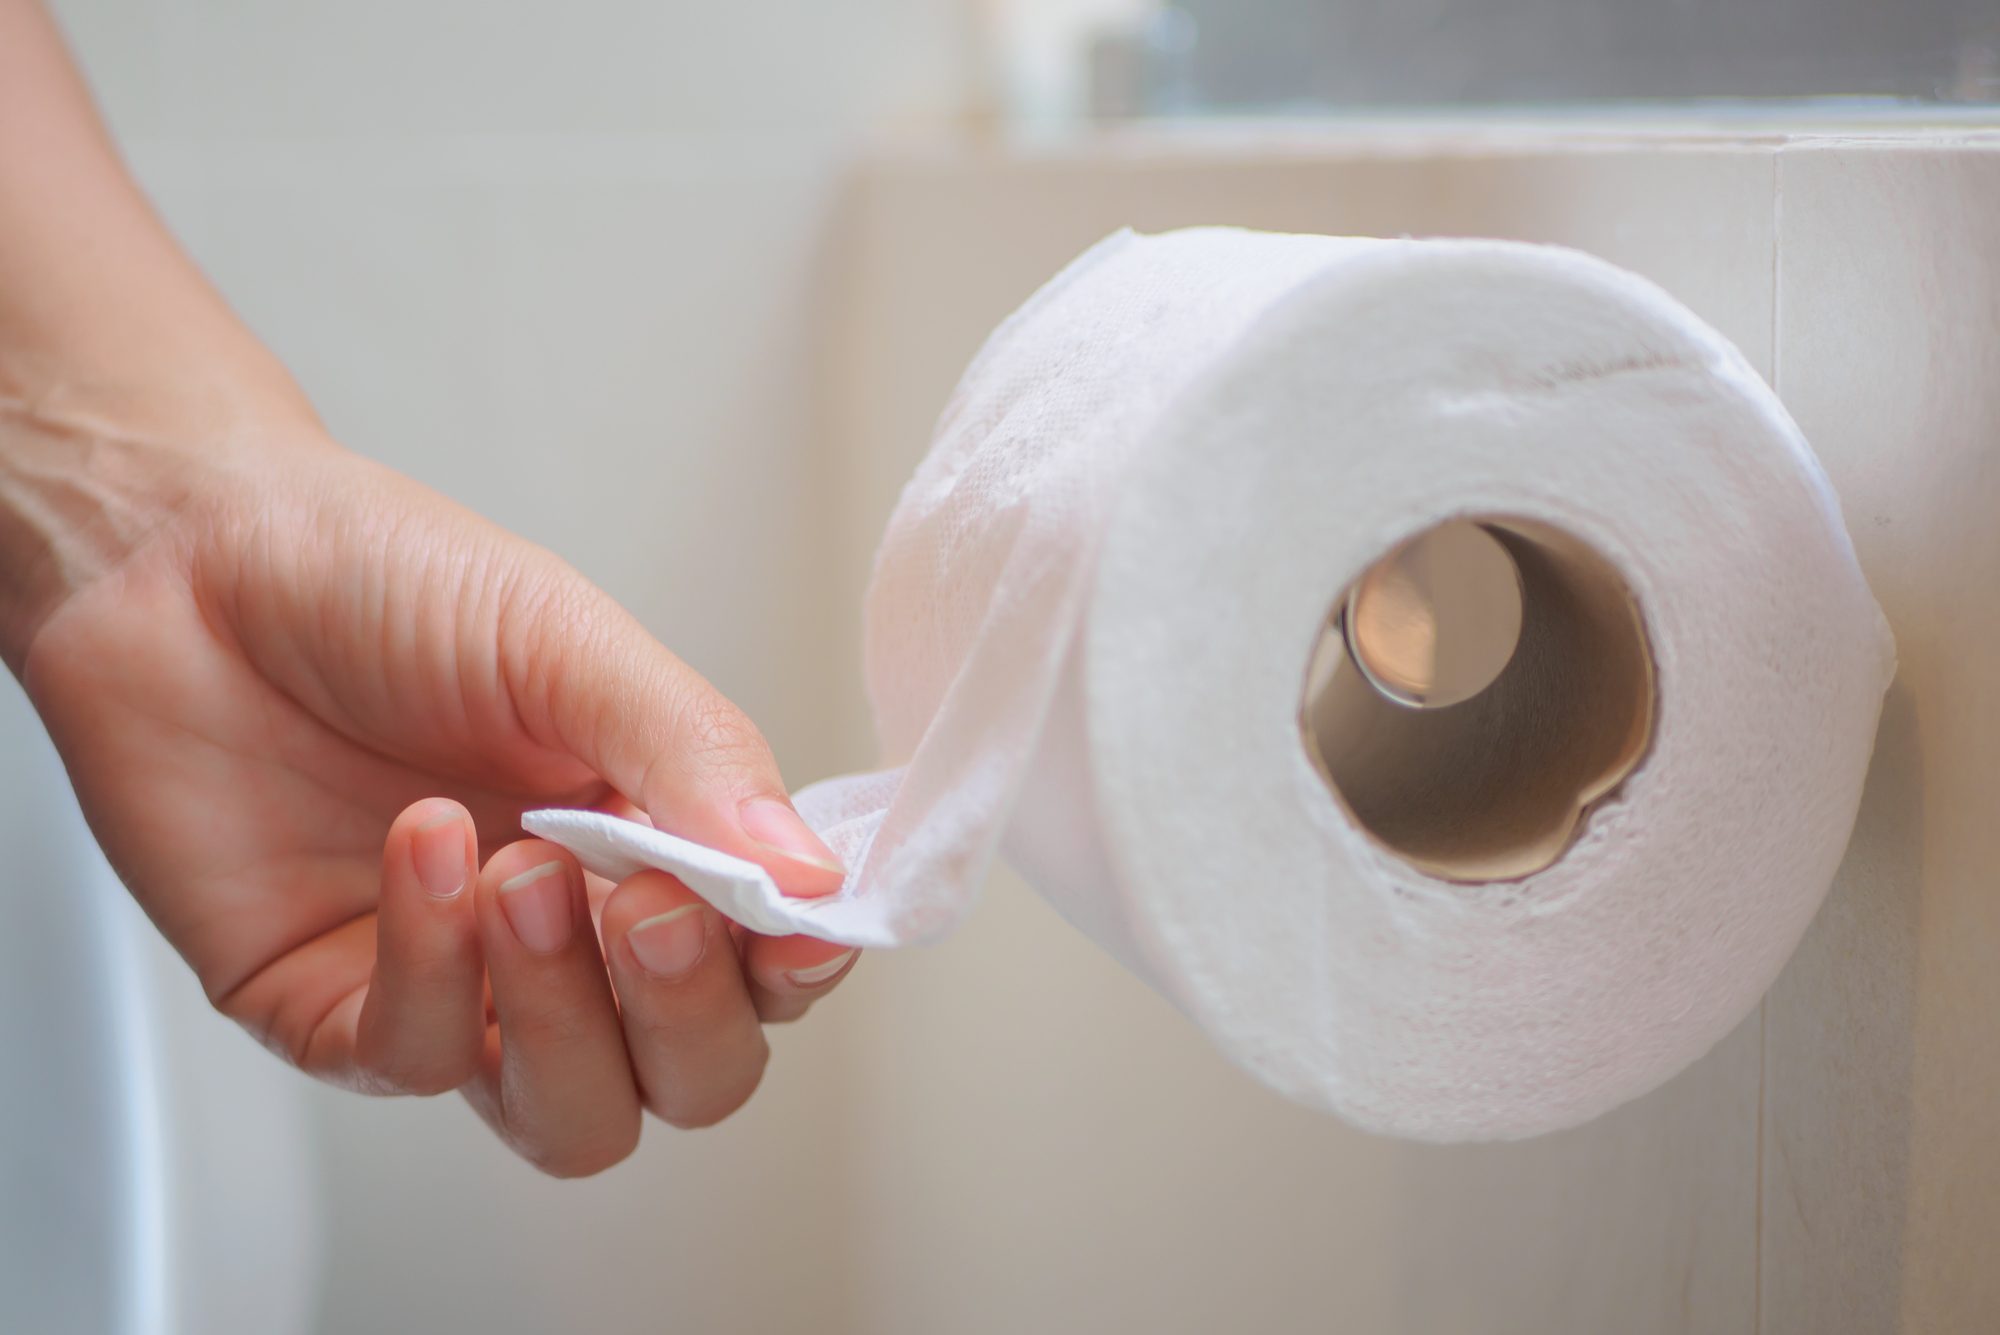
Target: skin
pixel 303 702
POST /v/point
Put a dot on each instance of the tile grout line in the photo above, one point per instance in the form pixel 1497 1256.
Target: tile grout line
pixel 1764 1004
pixel 1757 1184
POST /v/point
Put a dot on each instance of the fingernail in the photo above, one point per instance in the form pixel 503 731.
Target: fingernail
pixel 669 945
pixel 537 906
pixel 815 974
pixel 774 825
pixel 438 849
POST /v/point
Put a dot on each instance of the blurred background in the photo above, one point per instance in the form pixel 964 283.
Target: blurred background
pixel 1057 59
pixel 676 289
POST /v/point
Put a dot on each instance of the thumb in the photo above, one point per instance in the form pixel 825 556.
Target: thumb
pixel 589 679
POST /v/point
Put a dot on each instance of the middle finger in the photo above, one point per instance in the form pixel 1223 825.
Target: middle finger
pixel 558 1084
pixel 689 1022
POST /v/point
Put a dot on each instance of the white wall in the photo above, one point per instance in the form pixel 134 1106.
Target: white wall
pixel 565 263
pixel 623 239
pixel 1101 1167
pixel 1829 1168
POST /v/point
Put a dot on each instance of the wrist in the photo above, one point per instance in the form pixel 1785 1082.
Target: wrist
pixel 83 488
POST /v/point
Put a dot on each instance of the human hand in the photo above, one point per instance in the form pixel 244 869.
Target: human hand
pixel 302 695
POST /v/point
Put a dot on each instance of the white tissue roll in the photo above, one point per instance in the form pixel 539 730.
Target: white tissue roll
pixel 1093 611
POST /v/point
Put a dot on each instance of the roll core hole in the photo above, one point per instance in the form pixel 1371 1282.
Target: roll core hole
pixel 1492 786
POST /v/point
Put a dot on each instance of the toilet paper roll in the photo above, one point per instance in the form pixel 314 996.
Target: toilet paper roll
pixel 1093 620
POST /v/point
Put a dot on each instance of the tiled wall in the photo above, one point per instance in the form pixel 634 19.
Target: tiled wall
pixel 606 272
pixel 1881 1183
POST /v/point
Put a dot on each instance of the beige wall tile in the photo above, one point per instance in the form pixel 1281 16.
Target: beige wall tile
pixel 1882 1183
pixel 1095 1157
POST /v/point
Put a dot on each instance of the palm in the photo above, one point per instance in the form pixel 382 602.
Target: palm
pixel 303 701
pixel 263 707
pixel 255 709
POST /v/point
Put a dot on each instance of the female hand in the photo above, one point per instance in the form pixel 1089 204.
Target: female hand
pixel 300 697
pixel 303 697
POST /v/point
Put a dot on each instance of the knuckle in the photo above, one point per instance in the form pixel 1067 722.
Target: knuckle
pixel 707 739
pixel 437 971
pixel 716 731
pixel 547 1023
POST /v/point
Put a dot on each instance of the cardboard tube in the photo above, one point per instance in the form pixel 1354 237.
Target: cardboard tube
pixel 1496 786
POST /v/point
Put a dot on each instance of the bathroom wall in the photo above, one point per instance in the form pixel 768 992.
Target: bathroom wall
pixel 1881 1183
pixel 564 263
pixel 1239 1210
pixel 628 278
pixel 1829 1167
